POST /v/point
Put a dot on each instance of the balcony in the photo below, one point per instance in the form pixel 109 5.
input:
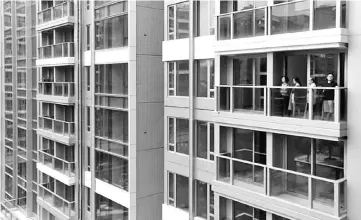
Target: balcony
pixel 56 54
pixel 279 25
pixel 61 91
pixel 65 207
pixel 62 166
pixel 312 192
pixel 242 173
pixel 306 106
pixel 321 194
pixel 57 15
pixel 56 126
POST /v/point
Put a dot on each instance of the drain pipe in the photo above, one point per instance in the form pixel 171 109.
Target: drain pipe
pixel 191 110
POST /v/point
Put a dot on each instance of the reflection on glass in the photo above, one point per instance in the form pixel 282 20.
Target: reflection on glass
pixel 292 17
pixel 324 14
pixel 111 169
pixel 182 192
pixel 182 136
pixel 106 209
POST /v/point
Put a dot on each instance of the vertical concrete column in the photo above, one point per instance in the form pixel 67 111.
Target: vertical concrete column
pixel 353 162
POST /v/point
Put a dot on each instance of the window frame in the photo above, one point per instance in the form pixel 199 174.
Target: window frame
pixel 210 154
pixel 172 147
pixel 210 88
pixel 175 74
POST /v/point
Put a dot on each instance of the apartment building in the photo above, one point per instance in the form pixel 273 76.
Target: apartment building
pixel 83 110
pixel 260 110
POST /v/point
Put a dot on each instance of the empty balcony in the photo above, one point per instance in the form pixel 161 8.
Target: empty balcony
pixel 56 196
pixel 283 25
pixel 55 13
pixel 59 158
pixel 56 84
pixel 303 171
pixel 286 91
pixel 56 47
pixel 57 122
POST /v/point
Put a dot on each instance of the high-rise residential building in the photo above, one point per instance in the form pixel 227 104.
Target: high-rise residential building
pixel 82 110
pixel 255 102
pixel 261 118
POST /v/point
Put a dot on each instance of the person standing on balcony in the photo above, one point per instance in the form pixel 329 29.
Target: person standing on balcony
pixel 294 97
pixel 312 84
pixel 328 98
pixel 285 93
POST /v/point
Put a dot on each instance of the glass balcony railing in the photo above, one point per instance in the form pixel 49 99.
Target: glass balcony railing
pixel 327 196
pixel 56 126
pixel 288 17
pixel 242 98
pixel 311 103
pixel 241 172
pixel 64 206
pixel 58 11
pixel 63 89
pixel 63 166
pixel 57 50
pixel 322 103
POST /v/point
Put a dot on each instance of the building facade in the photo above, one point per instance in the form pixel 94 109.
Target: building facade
pixel 259 119
pixel 83 110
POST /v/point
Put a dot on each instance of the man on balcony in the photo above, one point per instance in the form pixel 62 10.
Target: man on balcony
pixel 328 99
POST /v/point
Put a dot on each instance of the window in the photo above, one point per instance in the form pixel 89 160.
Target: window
pixel 88 118
pixel 112 169
pixel 247 77
pixel 111 124
pixel 178 21
pixel 178 138
pixel 230 209
pixel 204 142
pixel 178 191
pixel 315 160
pixel 111 85
pixel 87 198
pixel 87 4
pixel 204 206
pixel 111 26
pixel 205 78
pixel 178 78
pixel 87 70
pixel 205 17
pixel 88 36
pixel 109 210
pixel 247 151
pixel 111 79
pixel 324 14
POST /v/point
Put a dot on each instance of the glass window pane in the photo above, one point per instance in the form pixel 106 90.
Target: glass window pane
pixel 182 78
pixel 292 17
pixel 182 20
pixel 108 209
pixel 202 139
pixel 201 199
pixel 329 159
pixel 202 80
pixel 182 136
pixel 324 14
pixel 182 192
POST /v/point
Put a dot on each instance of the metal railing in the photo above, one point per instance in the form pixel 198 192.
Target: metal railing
pixel 63 166
pixel 64 206
pixel 64 89
pixel 311 103
pixel 56 126
pixel 58 11
pixel 65 49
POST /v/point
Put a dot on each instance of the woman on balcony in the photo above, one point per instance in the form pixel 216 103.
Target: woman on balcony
pixel 285 93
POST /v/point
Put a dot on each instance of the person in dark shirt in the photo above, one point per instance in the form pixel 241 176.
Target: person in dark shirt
pixel 329 98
